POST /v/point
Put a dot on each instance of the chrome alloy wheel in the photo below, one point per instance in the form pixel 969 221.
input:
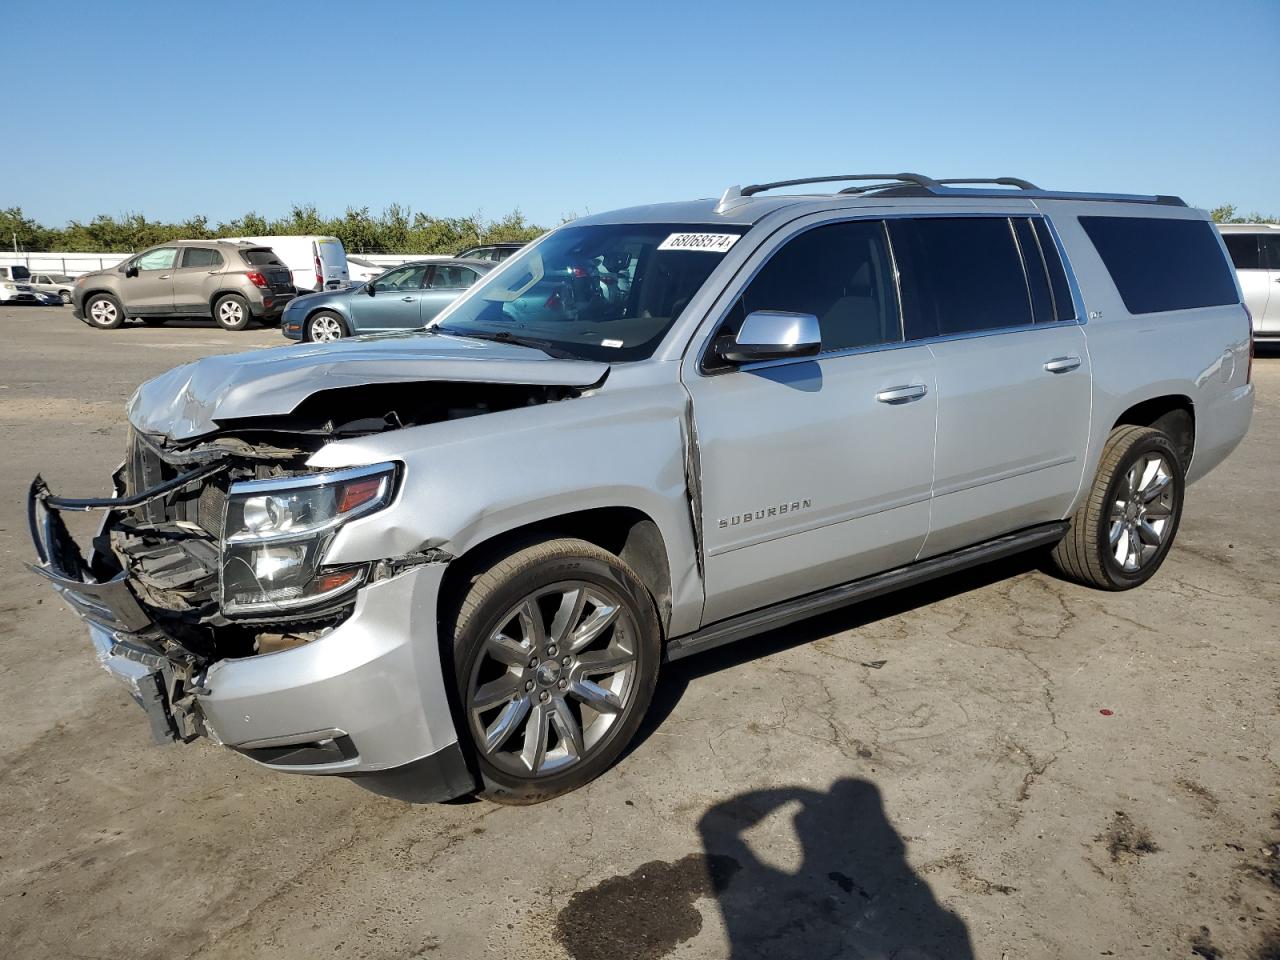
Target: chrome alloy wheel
pixel 104 312
pixel 230 311
pixel 325 329
pixel 553 677
pixel 1142 512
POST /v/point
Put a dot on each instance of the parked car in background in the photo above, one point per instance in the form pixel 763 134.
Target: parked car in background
pixel 496 252
pixel 317 263
pixel 57 284
pixel 49 299
pixel 457 559
pixel 234 283
pixel 403 298
pixel 1255 251
pixel 361 270
pixel 15 285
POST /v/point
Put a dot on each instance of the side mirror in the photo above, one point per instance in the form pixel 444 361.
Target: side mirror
pixel 773 335
pixel 131 270
pixel 369 288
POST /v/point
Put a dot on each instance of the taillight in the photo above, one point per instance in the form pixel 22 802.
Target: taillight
pixel 577 271
pixel 319 274
pixel 553 301
pixel 257 279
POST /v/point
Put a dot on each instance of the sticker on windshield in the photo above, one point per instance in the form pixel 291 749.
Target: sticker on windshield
pixel 710 242
pixel 611 343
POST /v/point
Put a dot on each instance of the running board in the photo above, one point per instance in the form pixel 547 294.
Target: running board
pixel 801 608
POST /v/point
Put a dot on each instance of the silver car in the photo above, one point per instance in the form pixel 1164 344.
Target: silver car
pixel 57 284
pixel 455 560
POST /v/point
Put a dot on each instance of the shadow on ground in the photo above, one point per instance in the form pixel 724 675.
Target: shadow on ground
pixel 852 895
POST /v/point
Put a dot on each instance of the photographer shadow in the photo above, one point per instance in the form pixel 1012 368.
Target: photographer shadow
pixel 853 896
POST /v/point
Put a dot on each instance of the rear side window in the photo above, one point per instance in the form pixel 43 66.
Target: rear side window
pixel 1245 250
pixel 1270 251
pixel 959 275
pixel 842 274
pixel 261 258
pixel 1159 264
pixel 201 257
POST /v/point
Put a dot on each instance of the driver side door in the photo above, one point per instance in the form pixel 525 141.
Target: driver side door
pixel 150 292
pixel 395 303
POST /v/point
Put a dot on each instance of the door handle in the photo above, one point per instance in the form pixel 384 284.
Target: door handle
pixel 896 395
pixel 1062 364
pixel 164 276
pixel 407 299
pixel 212 272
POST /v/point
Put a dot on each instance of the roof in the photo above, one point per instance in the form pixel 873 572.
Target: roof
pixel 1247 227
pixel 748 205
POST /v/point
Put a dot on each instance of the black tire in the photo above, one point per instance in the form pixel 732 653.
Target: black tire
pixel 154 321
pixel 1086 554
pixel 332 322
pixel 231 312
pixel 537 575
pixel 102 311
pixel 65 296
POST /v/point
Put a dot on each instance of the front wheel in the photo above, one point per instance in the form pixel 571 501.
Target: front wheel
pixel 65 297
pixel 232 312
pixel 325 327
pixel 556 652
pixel 1123 530
pixel 104 311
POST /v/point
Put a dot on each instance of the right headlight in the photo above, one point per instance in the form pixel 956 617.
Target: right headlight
pixel 277 532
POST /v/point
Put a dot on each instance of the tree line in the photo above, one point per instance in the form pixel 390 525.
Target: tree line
pixel 396 230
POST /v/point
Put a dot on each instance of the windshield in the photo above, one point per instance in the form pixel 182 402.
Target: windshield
pixel 607 292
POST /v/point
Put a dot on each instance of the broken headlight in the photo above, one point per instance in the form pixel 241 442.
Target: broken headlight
pixel 277 533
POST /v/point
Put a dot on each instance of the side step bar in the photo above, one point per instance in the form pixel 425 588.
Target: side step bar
pixel 801 608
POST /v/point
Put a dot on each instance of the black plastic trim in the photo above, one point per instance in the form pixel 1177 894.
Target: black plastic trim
pixel 824 601
pixel 443 775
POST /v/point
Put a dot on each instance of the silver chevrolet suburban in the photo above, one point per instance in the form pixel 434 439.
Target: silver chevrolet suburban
pixel 454 560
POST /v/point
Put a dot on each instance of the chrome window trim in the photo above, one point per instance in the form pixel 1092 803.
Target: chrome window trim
pixel 884 216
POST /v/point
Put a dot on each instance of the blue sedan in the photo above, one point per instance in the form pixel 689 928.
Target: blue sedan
pixel 404 298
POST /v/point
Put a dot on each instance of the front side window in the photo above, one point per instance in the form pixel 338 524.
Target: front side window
pixel 1161 264
pixel 842 274
pixel 959 275
pixel 601 292
pixel 160 259
pixel 1244 249
pixel 402 278
pixel 201 257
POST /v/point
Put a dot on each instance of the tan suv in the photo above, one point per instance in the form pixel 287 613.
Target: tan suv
pixel 233 283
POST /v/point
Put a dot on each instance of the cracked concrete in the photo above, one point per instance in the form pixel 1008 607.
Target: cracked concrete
pixel 953 794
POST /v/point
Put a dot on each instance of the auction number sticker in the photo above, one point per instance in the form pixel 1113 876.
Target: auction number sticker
pixel 710 242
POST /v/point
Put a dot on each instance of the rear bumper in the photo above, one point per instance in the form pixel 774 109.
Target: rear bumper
pixel 366 701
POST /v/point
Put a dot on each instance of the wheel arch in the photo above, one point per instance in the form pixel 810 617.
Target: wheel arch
pixel 1171 413
pixel 627 532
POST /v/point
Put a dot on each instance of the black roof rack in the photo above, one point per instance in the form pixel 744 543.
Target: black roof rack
pixel 918 185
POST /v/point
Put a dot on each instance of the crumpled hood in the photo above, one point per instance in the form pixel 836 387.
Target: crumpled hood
pixel 189 400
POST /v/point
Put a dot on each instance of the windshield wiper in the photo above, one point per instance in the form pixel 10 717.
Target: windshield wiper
pixel 506 336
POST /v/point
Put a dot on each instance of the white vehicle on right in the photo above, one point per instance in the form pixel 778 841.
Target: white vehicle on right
pixel 1255 251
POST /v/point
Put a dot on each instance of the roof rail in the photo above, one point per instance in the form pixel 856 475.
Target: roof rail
pixel 918 179
pixel 1003 181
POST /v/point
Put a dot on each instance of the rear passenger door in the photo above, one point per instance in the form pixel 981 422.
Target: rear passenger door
pixel 192 284
pixel 990 296
pixel 1247 256
pixel 445 284
pixel 816 470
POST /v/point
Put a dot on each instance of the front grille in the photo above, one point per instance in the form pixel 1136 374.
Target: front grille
pixel 145 468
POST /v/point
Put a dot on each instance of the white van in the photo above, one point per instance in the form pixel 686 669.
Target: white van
pixel 317 263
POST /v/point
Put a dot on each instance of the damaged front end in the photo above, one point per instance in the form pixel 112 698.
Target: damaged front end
pixel 206 553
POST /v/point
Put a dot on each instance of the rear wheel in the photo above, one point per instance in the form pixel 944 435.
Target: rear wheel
pixel 556 653
pixel 325 327
pixel 1124 529
pixel 104 311
pixel 232 312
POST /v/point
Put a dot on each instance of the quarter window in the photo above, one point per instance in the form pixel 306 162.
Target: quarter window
pixel 161 259
pixel 1161 264
pixel 959 275
pixel 842 274
pixel 201 257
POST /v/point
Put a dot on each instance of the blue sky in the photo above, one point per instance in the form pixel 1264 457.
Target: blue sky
pixel 175 109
